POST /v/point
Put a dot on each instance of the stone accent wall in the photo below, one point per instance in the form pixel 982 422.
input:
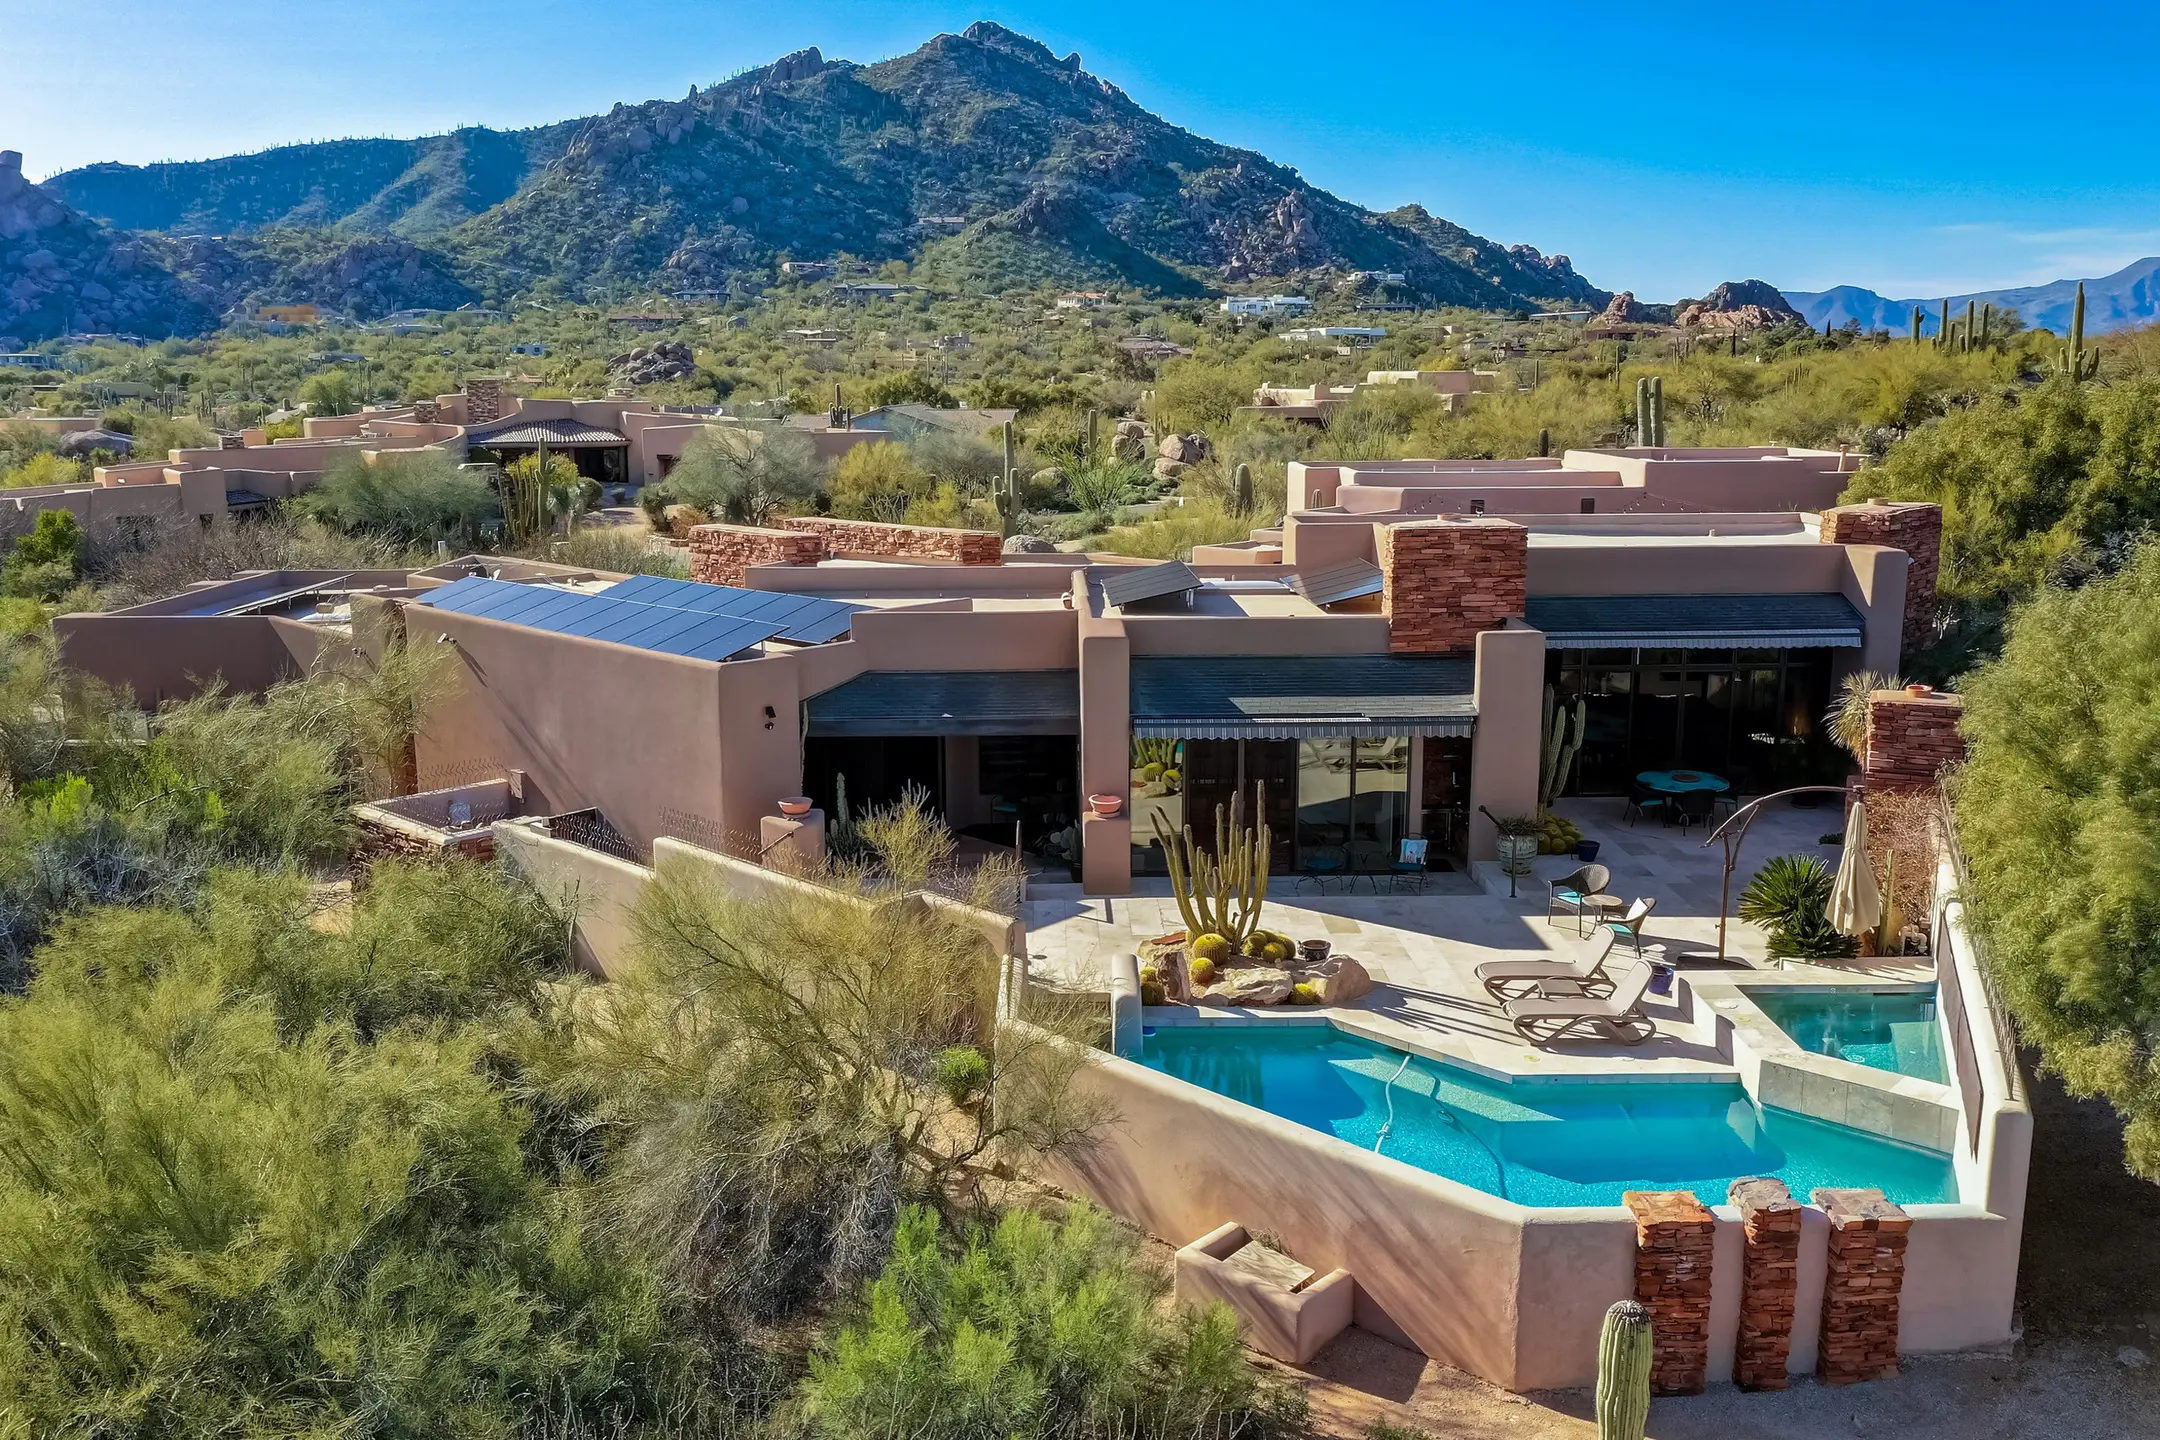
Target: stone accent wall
pixel 1911 738
pixel 1769 1282
pixel 1446 580
pixel 374 838
pixel 232 442
pixel 1911 526
pixel 902 542
pixel 1860 1293
pixel 723 554
pixel 425 412
pixel 483 401
pixel 1675 1239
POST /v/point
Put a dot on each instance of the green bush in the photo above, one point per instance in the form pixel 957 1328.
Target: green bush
pixel 411 497
pixel 1790 897
pixel 1035 1329
pixel 740 477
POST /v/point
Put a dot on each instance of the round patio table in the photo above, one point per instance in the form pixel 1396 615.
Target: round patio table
pixel 1674 782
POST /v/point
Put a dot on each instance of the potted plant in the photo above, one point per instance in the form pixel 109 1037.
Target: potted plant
pixel 1519 840
pixel 1106 805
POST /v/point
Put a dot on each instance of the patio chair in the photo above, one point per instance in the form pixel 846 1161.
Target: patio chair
pixel 1571 894
pixel 1584 971
pixel 1543 1019
pixel 1408 867
pixel 1694 807
pixel 1631 924
pixel 1642 800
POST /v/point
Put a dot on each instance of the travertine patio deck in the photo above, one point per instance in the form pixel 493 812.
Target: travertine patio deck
pixel 1422 950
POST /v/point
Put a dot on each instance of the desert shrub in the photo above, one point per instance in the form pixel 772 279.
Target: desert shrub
pixel 45 469
pixel 908 387
pixel 878 481
pixel 973 465
pixel 621 549
pixel 1200 394
pixel 2056 808
pixel 1171 532
pixel 45 563
pixel 1035 1328
pixel 406 498
pixel 1790 898
pixel 1100 485
pixel 331 393
pixel 131 569
pixel 218 1205
pixel 741 477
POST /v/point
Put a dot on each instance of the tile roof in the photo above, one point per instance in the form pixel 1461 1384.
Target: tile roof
pixel 517 430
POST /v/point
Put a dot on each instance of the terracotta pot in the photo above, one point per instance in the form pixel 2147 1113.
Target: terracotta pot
pixel 795 806
pixel 1919 690
pixel 1106 805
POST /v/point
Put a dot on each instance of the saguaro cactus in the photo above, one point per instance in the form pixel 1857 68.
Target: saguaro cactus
pixel 1544 443
pixel 1642 410
pixel 1005 492
pixel 2074 359
pixel 1623 1372
pixel 1557 754
pixel 1221 894
pixel 1242 492
pixel 1919 323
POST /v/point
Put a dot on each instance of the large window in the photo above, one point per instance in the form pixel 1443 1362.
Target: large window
pixel 1332 805
pixel 1752 716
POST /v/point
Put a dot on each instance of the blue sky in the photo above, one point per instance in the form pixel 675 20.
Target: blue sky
pixel 1914 148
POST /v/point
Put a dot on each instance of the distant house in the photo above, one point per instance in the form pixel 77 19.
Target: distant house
pixel 646 322
pixel 534 348
pixel 906 422
pixel 1082 300
pixel 823 339
pixel 27 360
pixel 1266 305
pixel 288 314
pixel 1152 348
pixel 870 290
pixel 809 269
pixel 1345 334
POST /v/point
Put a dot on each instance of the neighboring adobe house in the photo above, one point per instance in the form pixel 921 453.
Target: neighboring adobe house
pixel 1313 404
pixel 838 431
pixel 1374 699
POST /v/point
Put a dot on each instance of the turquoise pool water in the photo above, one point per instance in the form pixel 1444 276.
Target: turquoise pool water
pixel 1895 1032
pixel 1542 1143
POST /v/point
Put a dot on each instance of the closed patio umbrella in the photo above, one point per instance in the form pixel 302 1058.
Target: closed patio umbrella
pixel 1855 900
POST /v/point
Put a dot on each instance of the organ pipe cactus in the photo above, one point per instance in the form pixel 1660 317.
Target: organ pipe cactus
pixel 1221 894
pixel 1623 1372
pixel 1557 754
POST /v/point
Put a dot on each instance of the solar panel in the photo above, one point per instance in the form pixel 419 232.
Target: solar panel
pixel 1338 583
pixel 1152 582
pixel 694 634
pixel 805 619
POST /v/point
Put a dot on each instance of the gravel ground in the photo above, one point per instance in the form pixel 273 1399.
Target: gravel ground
pixel 2086 1367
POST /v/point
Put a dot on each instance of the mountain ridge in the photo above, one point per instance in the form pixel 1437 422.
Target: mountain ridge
pixel 2129 297
pixel 1059 176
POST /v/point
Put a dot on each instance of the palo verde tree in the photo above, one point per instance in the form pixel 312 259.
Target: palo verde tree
pixel 2059 811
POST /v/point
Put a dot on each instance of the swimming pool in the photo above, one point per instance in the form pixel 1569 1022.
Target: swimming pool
pixel 1894 1030
pixel 1538 1144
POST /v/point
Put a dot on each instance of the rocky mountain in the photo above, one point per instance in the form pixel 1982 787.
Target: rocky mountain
pixel 982 156
pixel 2121 301
pixel 60 270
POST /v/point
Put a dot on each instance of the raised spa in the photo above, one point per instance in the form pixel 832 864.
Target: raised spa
pixel 1884 1030
pixel 1543 1143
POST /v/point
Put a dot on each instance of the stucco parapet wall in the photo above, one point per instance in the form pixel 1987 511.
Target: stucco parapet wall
pixel 901 542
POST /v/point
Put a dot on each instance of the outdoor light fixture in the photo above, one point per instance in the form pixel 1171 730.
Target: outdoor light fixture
pixel 444 639
pixel 770 716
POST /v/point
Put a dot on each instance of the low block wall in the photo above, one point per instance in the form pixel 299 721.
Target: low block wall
pixel 723 554
pixel 901 542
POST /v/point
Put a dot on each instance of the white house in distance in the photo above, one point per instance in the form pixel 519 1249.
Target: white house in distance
pixel 1266 305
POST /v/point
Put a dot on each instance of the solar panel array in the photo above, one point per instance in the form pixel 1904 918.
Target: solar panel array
pixel 694 634
pixel 1153 582
pixel 805 619
pixel 1338 583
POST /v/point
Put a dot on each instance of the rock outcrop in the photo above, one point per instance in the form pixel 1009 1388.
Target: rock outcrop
pixel 667 361
pixel 1739 305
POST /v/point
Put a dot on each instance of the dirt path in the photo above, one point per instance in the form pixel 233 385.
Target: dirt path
pixel 2087 1367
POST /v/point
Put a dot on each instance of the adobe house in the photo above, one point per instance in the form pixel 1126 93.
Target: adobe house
pixel 1371 701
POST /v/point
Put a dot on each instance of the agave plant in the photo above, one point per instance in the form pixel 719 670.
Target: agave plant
pixel 1790 897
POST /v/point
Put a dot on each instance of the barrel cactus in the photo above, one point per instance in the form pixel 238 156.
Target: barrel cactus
pixel 1213 948
pixel 1623 1372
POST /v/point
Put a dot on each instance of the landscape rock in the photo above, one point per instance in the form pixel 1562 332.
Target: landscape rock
pixel 1250 985
pixel 1028 545
pixel 668 360
pixel 1346 979
pixel 1128 447
pixel 1168 469
pixel 1185 449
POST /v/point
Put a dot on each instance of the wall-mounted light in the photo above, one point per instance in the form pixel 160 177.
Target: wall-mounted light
pixel 770 716
pixel 444 639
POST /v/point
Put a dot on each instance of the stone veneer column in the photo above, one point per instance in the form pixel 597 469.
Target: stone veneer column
pixel 483 401
pixel 1911 738
pixel 723 554
pixel 1675 1239
pixel 1860 1292
pixel 1445 580
pixel 1769 1282
pixel 1914 527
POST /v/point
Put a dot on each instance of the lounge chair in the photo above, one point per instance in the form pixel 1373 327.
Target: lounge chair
pixel 1543 1019
pixel 1571 894
pixel 1585 971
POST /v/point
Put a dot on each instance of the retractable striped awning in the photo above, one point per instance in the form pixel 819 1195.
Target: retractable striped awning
pixel 1695 622
pixel 1300 697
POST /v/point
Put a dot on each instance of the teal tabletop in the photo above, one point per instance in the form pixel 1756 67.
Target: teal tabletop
pixel 1672 782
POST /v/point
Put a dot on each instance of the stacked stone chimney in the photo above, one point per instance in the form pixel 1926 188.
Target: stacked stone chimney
pixel 1911 738
pixel 483 401
pixel 1914 527
pixel 1448 579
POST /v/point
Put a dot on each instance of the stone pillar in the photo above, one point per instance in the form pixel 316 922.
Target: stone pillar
pixel 483 401
pixel 1860 1292
pixel 1911 738
pixel 1445 580
pixel 425 412
pixel 1769 1282
pixel 1914 527
pixel 232 442
pixel 723 554
pixel 1675 1237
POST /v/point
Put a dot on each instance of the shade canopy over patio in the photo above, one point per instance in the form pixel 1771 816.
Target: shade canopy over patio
pixel 1684 622
pixel 1301 697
